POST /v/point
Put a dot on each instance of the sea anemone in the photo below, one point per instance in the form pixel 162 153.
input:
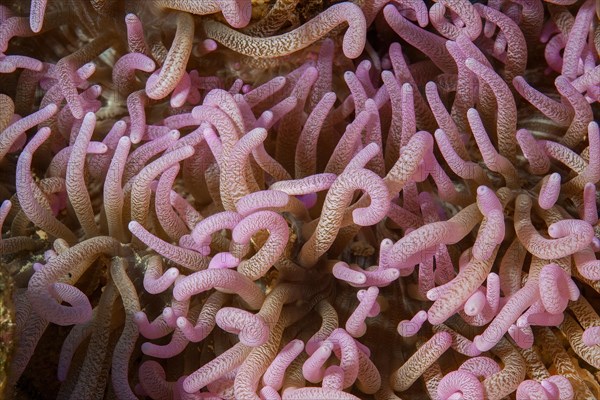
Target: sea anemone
pixel 283 199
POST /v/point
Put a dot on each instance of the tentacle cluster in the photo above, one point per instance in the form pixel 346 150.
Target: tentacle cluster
pixel 236 199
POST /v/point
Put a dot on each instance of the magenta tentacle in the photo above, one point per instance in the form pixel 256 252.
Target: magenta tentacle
pixel 168 76
pixel 186 258
pixel 424 357
pixel 339 195
pixel 98 165
pixel 36 16
pixel 80 306
pixel 10 64
pixel 177 309
pixel 255 267
pixel 445 122
pixel 411 248
pixel 140 188
pixel 590 209
pixel 358 91
pixel 251 329
pixel 531 389
pixel 554 110
pixel 268 393
pixel 363 157
pixel 135 35
pixel 516 47
pixel 306 151
pixel 205 321
pixel 433 45
pixel 570 236
pixel 204 229
pixel 175 346
pixel 4 210
pixel 312 369
pixel 408 328
pixel 157 281
pixel 506 121
pixel 556 288
pixel 76 187
pixel 281 45
pixel 309 393
pixel 342 271
pixel 226 101
pixel 587 264
pixel 549 191
pixel 591 172
pixel 461 383
pixel 539 163
pixel 68 268
pixel 334 378
pixel 355 324
pixel 124 69
pixel 223 260
pixel 181 92
pixel 274 375
pixel 460 289
pixel 12 134
pixel 515 306
pixel 153 380
pixel 26 192
pixel 265 199
pixel 144 153
pixel 151 330
pixel 216 368
pixel 136 102
pixel 167 216
pixel 233 184
pixel 270 117
pixel 409 123
pixel 347 351
pixel 591 336
pixel 576 40
pixel 113 192
pixel 363 74
pixel 226 280
pixel 481 367
pixel 465 11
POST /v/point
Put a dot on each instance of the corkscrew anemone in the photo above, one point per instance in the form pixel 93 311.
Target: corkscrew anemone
pixel 236 199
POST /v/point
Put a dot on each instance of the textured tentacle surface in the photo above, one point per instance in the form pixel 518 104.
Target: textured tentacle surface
pixel 286 199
